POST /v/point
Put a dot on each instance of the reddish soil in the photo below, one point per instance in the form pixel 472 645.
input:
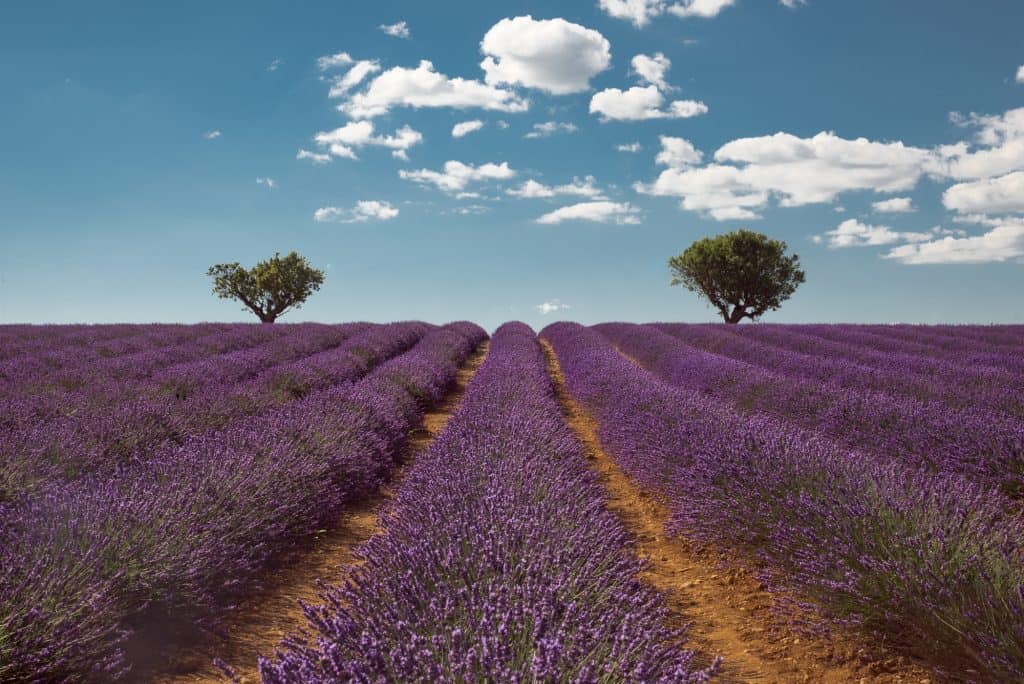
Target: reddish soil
pixel 256 626
pixel 727 610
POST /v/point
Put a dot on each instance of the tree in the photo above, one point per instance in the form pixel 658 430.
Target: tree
pixel 271 287
pixel 743 274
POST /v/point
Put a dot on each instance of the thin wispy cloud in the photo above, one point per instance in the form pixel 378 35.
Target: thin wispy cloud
pixel 212 135
pixel 396 30
pixel 268 182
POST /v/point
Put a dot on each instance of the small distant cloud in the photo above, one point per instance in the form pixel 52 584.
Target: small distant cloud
pixel 599 211
pixel 274 65
pixel 551 306
pixel 397 30
pixel 1020 74
pixel 629 147
pixel 471 209
pixel 315 157
pixel 362 212
pixel 896 205
pixel 502 124
pixel 330 61
pixel 269 182
pixel 549 128
pixel 466 127
pixel 211 135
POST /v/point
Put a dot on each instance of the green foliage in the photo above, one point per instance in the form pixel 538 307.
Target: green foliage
pixel 743 274
pixel 271 287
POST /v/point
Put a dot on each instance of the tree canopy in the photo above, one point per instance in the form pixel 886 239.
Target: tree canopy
pixel 743 274
pixel 270 288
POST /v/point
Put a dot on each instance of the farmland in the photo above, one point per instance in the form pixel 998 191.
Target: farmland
pixel 619 502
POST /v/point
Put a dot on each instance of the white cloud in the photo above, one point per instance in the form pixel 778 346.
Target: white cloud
pixel 472 209
pixel 1004 242
pixel 678 153
pixel 315 157
pixel 274 65
pixel 551 306
pixel 793 4
pixel 552 55
pixel 853 233
pixel 502 124
pixel 652 69
pixel 343 141
pixel 466 127
pixel 896 205
pixel 353 77
pixel 1000 138
pixel 330 61
pixel 800 171
pixel 1020 74
pixel 599 211
pixel 398 30
pixel 641 103
pixel 629 147
pixel 531 189
pixel 212 135
pixel 424 87
pixel 269 182
pixel 1001 195
pixel 549 128
pixel 640 12
pixel 457 175
pixel 363 211
pixel 699 8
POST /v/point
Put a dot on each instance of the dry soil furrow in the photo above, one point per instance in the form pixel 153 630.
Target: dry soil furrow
pixel 257 625
pixel 727 609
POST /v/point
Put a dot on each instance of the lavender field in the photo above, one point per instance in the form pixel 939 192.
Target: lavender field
pixel 864 483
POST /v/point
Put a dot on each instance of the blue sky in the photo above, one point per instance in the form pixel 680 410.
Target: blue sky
pixel 133 135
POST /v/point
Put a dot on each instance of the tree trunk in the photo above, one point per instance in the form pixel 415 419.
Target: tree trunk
pixel 267 318
pixel 738 312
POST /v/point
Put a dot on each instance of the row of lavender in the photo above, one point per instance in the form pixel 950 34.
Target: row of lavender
pixel 499 561
pixel 117 418
pixel 93 565
pixel 932 560
pixel 795 351
pixel 981 443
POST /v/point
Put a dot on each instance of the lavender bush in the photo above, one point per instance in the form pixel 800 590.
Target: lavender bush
pixel 932 561
pixel 499 562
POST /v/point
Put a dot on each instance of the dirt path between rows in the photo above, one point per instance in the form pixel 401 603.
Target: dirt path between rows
pixel 257 624
pixel 727 609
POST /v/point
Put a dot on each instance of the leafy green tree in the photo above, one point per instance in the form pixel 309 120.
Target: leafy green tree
pixel 271 287
pixel 743 274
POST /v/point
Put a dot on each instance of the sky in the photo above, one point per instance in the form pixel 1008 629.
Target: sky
pixel 516 160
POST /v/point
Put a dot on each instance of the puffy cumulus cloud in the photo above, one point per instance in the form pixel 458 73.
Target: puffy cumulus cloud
pixel 317 158
pixel 895 205
pixel 363 211
pixel 1003 242
pixel 652 69
pixel 678 153
pixel 717 190
pixel 853 233
pixel 602 211
pixel 549 128
pixel 640 12
pixel 353 77
pixel 551 306
pixel 581 188
pixel 641 103
pixel 331 61
pixel 699 8
pixel 344 141
pixel 632 147
pixel 269 182
pixel 457 175
pixel 397 30
pixel 799 171
pixel 1020 74
pixel 998 147
pixel 466 127
pixel 424 87
pixel 1000 195
pixel 552 55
